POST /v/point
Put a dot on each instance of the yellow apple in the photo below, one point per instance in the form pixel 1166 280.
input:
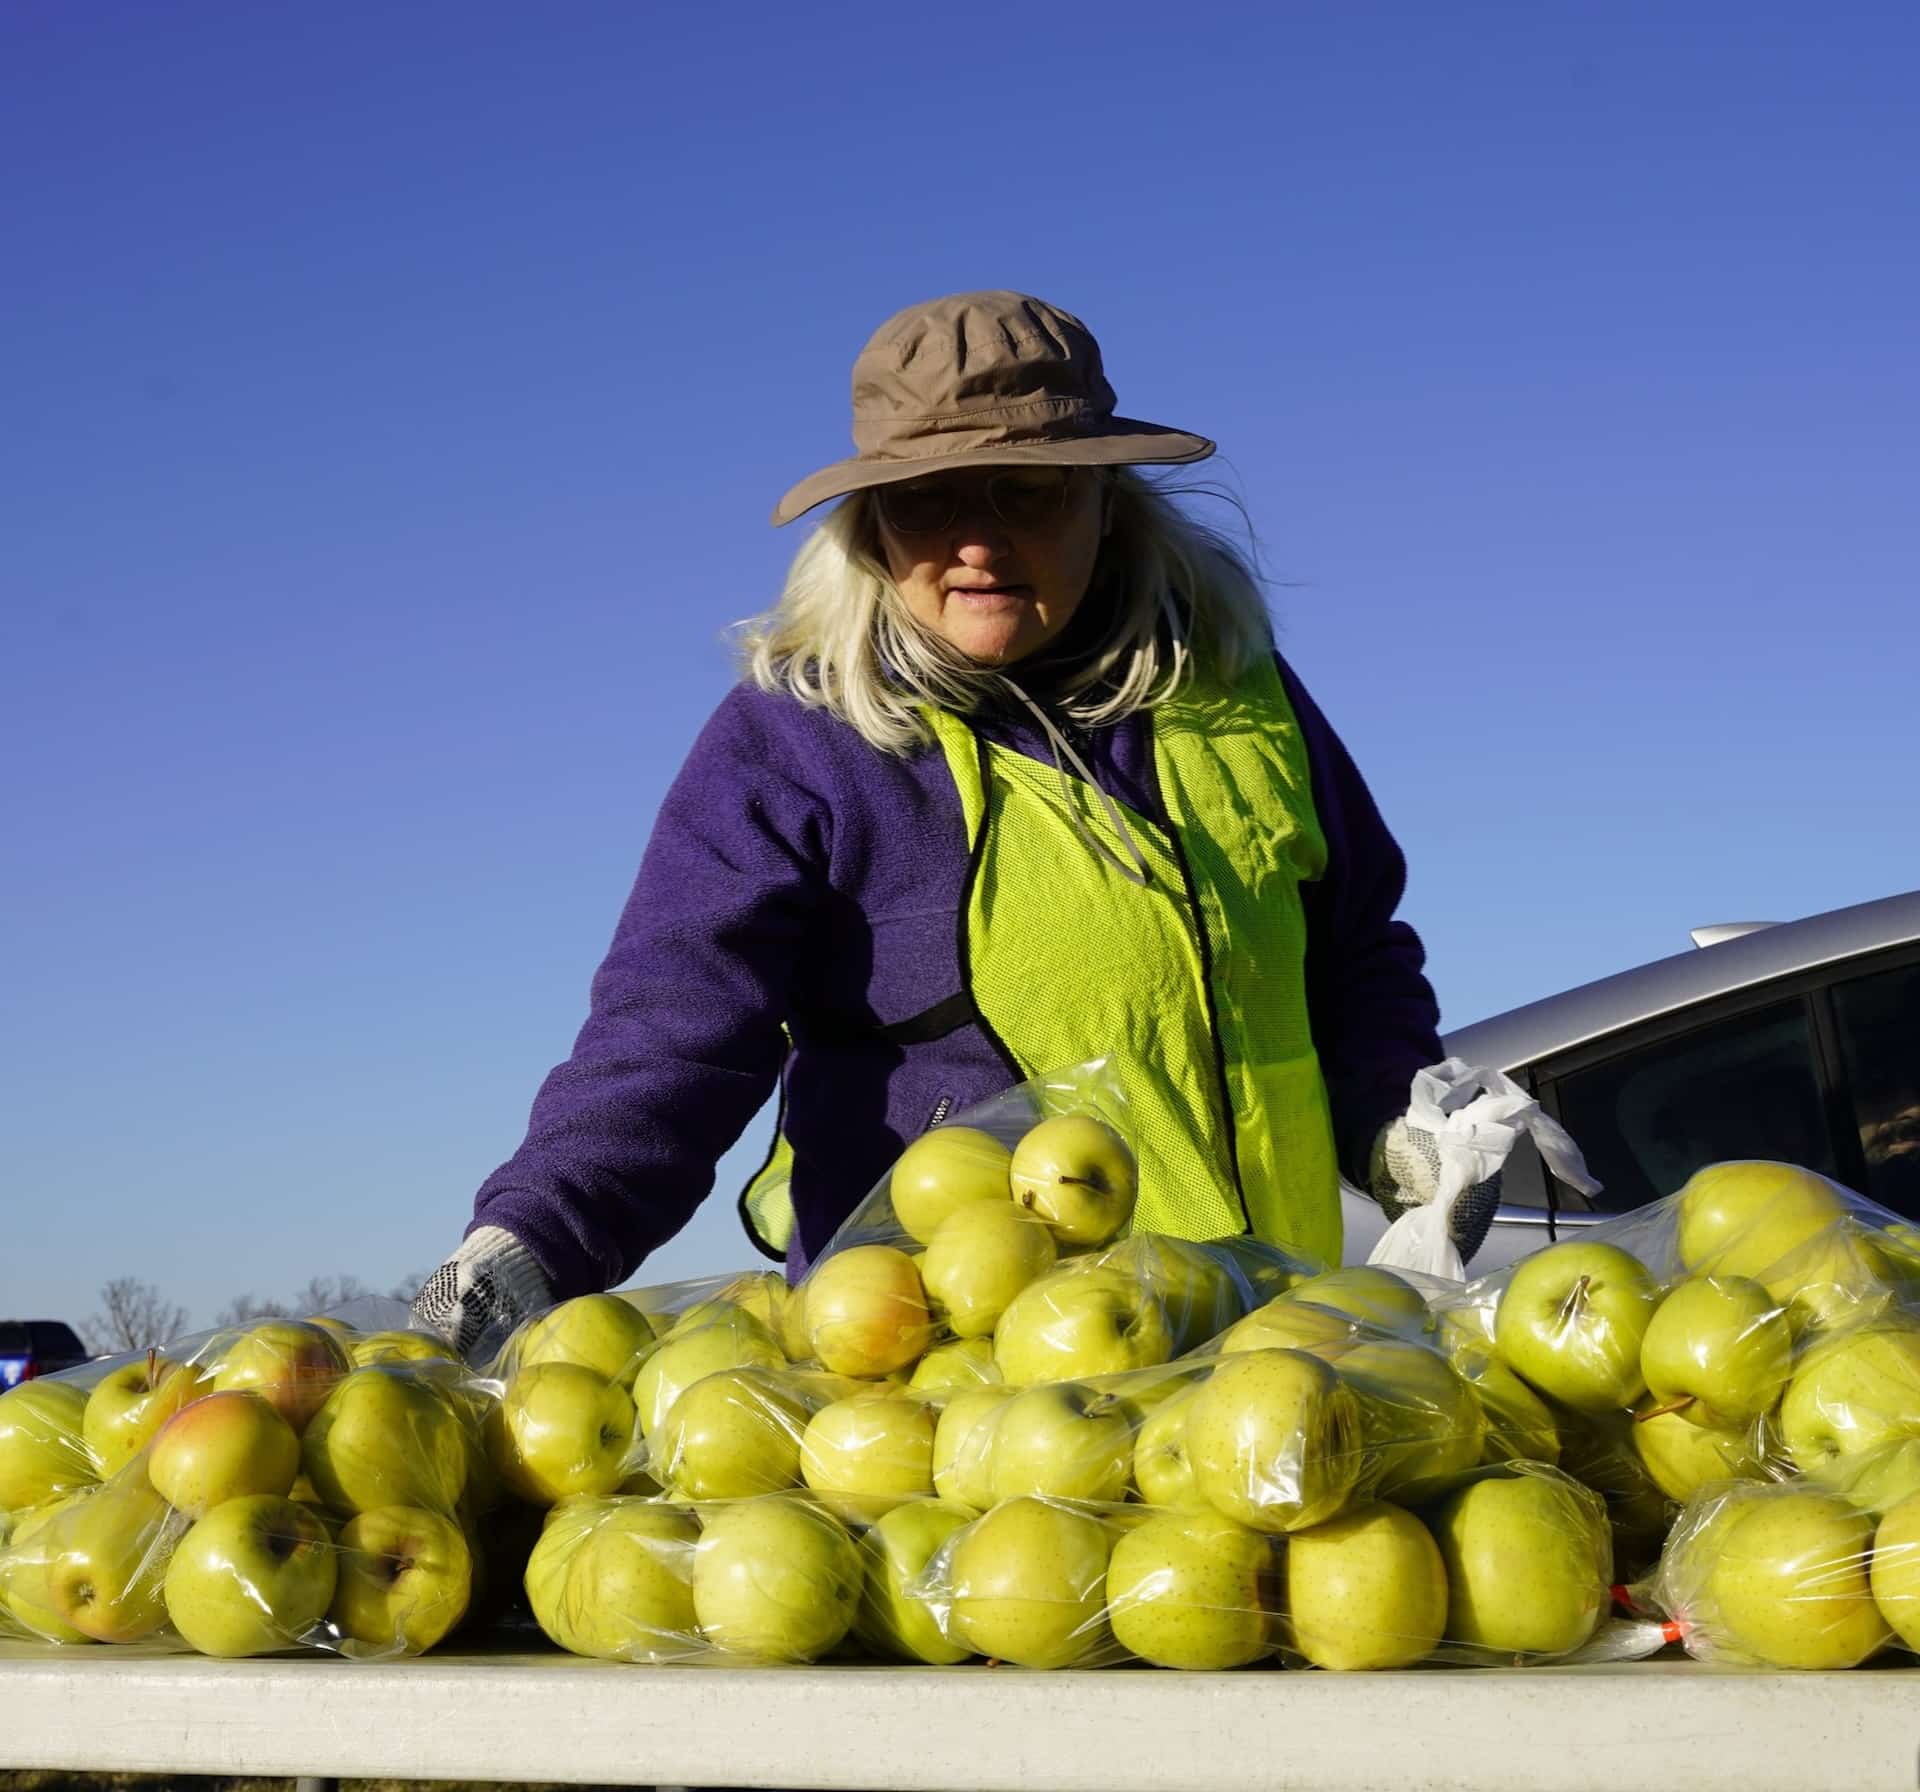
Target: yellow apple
pixel 43 1451
pixel 866 1454
pixel 221 1447
pixel 255 1575
pixel 404 1577
pixel 1028 1585
pixel 291 1363
pixel 561 1430
pixel 601 1332
pixel 1078 1174
pixel 1366 1590
pixel 613 1578
pixel 980 1256
pixel 775 1578
pixel 941 1172
pixel 867 1311
pixel 1192 1589
pixel 893 1623
pixel 130 1403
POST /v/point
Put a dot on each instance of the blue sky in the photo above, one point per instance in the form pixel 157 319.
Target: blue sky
pixel 394 399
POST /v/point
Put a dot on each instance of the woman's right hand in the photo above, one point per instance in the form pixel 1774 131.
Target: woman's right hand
pixel 485 1289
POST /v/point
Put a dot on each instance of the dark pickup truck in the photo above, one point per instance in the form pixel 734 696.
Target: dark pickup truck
pixel 30 1347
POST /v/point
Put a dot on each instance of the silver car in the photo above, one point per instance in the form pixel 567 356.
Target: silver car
pixel 1797 1040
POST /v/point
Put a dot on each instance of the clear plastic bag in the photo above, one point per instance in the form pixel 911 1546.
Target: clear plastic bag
pixel 1787 1575
pixel 290 1484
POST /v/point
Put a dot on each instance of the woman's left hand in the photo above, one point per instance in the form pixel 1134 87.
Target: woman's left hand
pixel 1405 1174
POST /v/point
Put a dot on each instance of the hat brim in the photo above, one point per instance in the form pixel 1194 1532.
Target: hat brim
pixel 1125 442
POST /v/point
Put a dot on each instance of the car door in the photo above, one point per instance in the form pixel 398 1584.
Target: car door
pixel 1821 1069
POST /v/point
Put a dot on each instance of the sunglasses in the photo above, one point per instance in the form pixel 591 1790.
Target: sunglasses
pixel 1028 498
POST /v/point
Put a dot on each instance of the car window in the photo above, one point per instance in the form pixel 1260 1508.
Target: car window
pixel 1878 1022
pixel 1746 1086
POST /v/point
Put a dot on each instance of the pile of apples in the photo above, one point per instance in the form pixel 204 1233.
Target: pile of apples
pixel 1749 1348
pixel 1015 1434
pixel 993 1423
pixel 294 1483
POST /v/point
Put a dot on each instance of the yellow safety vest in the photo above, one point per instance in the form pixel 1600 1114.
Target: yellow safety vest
pixel 1193 984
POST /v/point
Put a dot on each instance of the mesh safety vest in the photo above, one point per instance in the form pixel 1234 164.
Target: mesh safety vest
pixel 1193 983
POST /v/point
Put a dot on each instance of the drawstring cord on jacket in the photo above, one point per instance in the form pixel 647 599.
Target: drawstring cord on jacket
pixel 1136 872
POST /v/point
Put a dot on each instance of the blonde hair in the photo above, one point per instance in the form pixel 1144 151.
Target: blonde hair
pixel 1179 594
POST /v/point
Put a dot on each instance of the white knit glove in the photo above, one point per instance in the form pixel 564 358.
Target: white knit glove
pixel 482 1292
pixel 1405 1174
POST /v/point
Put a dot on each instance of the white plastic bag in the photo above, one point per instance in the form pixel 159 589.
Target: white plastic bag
pixel 1476 1118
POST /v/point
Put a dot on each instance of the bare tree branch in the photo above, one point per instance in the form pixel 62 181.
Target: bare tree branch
pixel 408 1286
pixel 246 1308
pixel 134 1315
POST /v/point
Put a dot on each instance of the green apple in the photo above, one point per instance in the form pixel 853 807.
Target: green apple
pixel 390 1435
pixel 23 1572
pixel 130 1403
pixel 1366 1590
pixel 404 1578
pixel 1520 1425
pixel 107 1559
pixel 1161 1470
pixel 43 1451
pixel 1572 1320
pixel 867 1311
pixel 732 1434
pixel 292 1363
pixel 1895 1576
pixel 601 1332
pixel 1850 1417
pixel 775 1578
pixel 1529 1560
pixel 893 1623
pixel 400 1347
pixel 736 1340
pixel 1747 1218
pixel 1061 1441
pixel 1077 1174
pixel 865 1454
pixel 1717 1350
pixel 255 1575
pixel 1683 1457
pixel 1419 1419
pixel 980 1256
pixel 1284 1324
pixel 761 1294
pixel 1275 1438
pixel 1790 1230
pixel 561 1430
pixel 1078 1321
pixel 1196 1284
pixel 963 1445
pixel 943 1171
pixel 613 1578
pixel 963 1363
pixel 1369 1296
pixel 1028 1585
pixel 1192 1589
pixel 1790 1587
pixel 221 1447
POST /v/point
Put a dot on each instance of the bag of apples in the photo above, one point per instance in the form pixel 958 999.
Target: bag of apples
pixel 1789 1575
pixel 292 1484
pixel 1755 1325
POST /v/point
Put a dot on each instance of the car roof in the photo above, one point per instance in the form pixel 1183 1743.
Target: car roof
pixel 1525 1035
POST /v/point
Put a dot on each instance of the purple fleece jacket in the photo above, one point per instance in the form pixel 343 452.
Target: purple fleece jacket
pixel 797 875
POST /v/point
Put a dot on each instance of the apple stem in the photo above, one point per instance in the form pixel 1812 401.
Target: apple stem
pixel 153 1363
pixel 1660 1412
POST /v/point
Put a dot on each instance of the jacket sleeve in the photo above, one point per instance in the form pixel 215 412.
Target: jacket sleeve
pixel 1374 1016
pixel 683 1042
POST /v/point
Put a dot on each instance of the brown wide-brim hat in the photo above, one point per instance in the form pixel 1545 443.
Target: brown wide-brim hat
pixel 984 379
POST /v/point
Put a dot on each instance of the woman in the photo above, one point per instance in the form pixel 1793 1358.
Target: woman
pixel 1016 779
